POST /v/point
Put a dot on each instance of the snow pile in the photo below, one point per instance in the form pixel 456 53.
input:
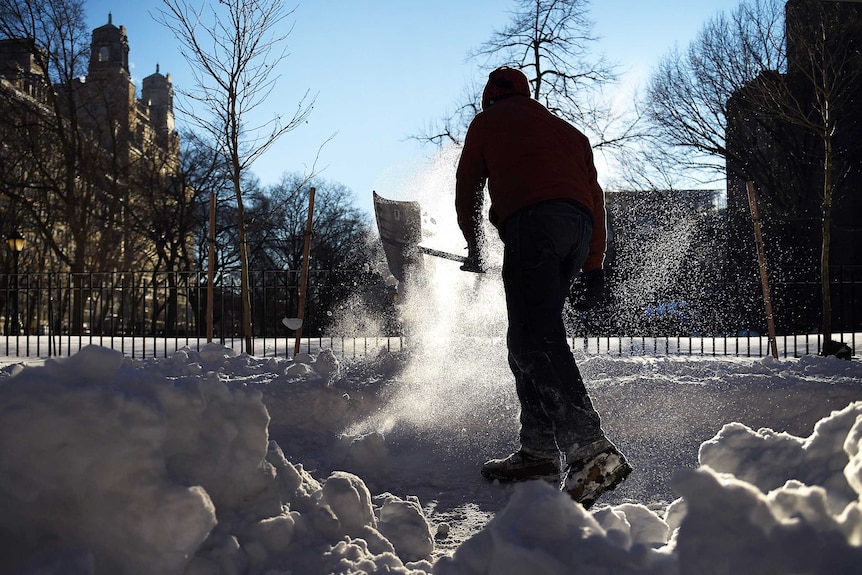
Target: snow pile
pixel 116 466
pixel 762 502
pixel 119 469
pixel 541 531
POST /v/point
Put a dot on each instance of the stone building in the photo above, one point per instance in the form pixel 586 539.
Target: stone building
pixel 148 121
pixel 85 158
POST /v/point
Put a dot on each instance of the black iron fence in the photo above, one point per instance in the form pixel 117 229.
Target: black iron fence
pixel 143 304
pixel 154 314
pixel 50 314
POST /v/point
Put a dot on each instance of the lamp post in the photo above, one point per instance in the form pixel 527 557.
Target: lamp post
pixel 15 241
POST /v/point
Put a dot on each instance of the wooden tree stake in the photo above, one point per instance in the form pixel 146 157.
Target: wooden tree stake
pixel 304 280
pixel 761 260
pixel 211 267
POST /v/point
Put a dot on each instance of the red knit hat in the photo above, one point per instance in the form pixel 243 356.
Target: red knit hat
pixel 504 82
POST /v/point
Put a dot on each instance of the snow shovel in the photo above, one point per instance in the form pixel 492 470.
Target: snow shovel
pixel 400 227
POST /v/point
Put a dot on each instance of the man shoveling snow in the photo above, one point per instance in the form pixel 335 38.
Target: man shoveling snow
pixel 549 209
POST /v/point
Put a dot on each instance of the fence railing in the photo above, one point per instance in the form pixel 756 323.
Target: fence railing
pixel 156 314
pixel 142 303
pixel 40 347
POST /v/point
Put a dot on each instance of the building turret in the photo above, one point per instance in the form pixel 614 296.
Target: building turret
pixel 157 96
pixel 109 50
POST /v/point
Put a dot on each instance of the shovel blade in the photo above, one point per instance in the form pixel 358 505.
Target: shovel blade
pixel 400 227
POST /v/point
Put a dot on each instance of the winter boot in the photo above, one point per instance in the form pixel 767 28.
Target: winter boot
pixel 522 466
pixel 594 469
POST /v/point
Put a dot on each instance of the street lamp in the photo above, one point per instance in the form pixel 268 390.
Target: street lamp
pixel 15 241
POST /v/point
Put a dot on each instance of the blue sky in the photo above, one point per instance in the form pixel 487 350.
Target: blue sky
pixel 384 69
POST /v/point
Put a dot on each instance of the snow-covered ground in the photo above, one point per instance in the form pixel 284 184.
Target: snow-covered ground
pixel 217 462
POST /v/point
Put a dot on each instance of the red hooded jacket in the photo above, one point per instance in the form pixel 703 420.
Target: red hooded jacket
pixel 528 155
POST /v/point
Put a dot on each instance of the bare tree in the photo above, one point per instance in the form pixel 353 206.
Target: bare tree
pixel 277 226
pixel 339 255
pixel 551 41
pixel 689 104
pixel 203 169
pixel 173 215
pixel 686 101
pixel 234 48
pixel 754 93
pixel 819 95
pixel 451 128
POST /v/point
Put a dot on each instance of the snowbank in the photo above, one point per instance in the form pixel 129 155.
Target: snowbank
pixel 798 510
pixel 119 469
pixel 114 466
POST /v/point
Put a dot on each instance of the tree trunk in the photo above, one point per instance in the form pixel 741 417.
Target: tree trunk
pixel 245 292
pixel 826 325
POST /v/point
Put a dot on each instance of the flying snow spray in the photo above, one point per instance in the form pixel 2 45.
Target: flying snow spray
pixel 456 379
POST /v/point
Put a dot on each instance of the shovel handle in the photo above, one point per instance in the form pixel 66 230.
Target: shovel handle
pixel 444 255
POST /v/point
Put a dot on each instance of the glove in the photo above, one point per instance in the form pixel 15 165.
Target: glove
pixel 593 283
pixel 474 262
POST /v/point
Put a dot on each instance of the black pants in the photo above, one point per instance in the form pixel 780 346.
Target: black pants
pixel 545 246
